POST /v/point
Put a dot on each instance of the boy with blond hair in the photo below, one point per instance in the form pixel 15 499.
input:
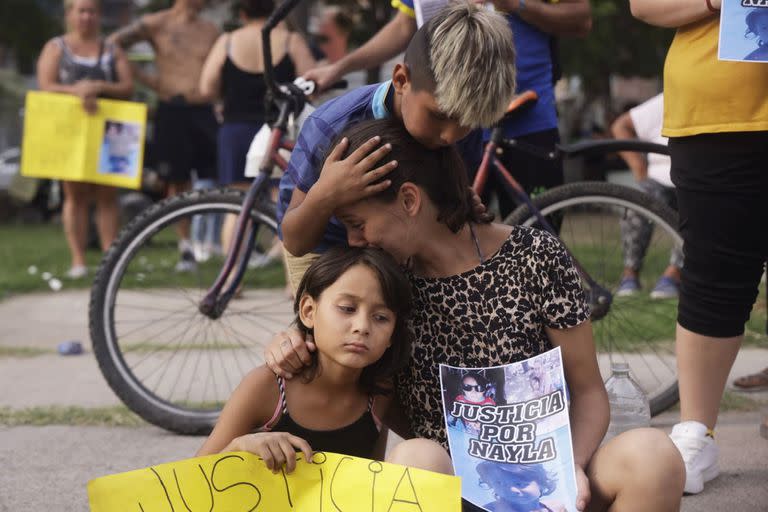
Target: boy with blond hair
pixel 458 74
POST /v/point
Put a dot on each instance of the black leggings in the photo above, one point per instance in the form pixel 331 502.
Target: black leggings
pixel 722 196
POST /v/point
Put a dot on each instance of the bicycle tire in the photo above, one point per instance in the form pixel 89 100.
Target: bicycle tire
pixel 575 205
pixel 119 298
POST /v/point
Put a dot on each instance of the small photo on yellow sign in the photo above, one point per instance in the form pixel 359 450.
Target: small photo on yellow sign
pixel 62 141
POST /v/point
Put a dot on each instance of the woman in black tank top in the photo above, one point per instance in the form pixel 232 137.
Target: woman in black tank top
pixel 82 64
pixel 356 303
pixel 233 72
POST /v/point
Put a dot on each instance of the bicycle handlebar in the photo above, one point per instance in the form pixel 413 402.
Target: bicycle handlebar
pixel 278 15
pixel 613 146
pixel 293 96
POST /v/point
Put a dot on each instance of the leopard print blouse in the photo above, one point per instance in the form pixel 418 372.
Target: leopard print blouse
pixel 491 315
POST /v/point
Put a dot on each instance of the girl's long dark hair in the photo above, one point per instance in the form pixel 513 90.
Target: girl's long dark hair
pixel 396 292
pixel 439 172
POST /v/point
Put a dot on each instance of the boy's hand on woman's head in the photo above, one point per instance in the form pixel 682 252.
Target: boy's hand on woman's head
pixel 289 353
pixel 277 449
pixel 347 180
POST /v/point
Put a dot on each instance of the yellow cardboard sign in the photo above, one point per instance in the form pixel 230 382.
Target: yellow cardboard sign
pixel 62 141
pixel 241 481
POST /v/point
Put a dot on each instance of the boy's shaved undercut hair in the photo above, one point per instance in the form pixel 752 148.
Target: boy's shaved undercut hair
pixel 465 56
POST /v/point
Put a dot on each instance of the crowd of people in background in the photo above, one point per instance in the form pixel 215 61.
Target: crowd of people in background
pixel 210 105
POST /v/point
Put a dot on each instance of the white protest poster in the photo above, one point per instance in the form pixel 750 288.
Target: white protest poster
pixel 509 434
pixel 426 9
pixel 744 31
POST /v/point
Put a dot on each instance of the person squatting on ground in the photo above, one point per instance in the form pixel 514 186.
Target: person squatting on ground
pixel 486 295
pixel 81 63
pixel 651 173
pixel 535 27
pixel 718 142
pixel 356 305
pixel 438 95
pixel 185 126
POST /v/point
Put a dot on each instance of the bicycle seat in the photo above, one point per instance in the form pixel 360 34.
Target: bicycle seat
pixel 520 102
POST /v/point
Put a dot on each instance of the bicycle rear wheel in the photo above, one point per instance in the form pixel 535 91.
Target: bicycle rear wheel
pixel 172 365
pixel 636 329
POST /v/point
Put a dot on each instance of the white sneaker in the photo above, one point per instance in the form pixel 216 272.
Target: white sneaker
pixel 77 272
pixel 187 262
pixel 202 251
pixel 699 453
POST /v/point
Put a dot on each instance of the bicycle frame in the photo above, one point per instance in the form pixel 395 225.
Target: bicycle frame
pixel 290 102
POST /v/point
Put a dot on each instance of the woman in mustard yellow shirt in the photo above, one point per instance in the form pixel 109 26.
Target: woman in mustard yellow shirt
pixel 716 118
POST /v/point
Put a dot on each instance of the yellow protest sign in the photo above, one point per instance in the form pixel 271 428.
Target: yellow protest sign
pixel 62 141
pixel 241 481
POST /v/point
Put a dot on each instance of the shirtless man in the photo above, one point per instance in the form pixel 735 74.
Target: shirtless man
pixel 185 126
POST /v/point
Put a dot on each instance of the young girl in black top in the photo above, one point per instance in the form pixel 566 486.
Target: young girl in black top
pixel 355 302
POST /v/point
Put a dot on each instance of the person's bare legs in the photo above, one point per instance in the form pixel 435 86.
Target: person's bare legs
pixel 107 214
pixel 74 217
pixel 638 470
pixel 421 453
pixel 182 227
pixel 703 364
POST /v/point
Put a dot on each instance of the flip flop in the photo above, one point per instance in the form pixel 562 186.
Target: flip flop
pixel 755 382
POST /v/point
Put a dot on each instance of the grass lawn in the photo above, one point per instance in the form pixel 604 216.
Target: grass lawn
pixel 39 245
pixel 44 247
pixel 116 416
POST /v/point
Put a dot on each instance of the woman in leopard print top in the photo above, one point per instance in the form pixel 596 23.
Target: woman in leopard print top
pixel 489 294
pixel 493 314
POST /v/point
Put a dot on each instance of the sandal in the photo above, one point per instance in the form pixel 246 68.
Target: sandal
pixel 755 382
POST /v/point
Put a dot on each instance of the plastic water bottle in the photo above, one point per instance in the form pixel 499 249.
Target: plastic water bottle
pixel 629 405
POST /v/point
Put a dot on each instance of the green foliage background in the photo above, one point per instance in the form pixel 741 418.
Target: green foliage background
pixel 25 27
pixel 618 44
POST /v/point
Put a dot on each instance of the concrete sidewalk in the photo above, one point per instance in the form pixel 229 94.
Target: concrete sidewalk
pixel 51 465
pixel 44 466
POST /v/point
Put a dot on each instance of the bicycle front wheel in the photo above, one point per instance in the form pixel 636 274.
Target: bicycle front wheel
pixel 168 362
pixel 636 329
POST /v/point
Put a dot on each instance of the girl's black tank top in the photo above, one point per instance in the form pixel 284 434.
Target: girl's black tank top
pixel 357 439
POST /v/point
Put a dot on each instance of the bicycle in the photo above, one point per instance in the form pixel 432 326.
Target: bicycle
pixel 638 330
pixel 178 367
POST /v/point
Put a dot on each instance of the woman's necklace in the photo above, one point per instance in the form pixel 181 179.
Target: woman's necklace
pixel 477 244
